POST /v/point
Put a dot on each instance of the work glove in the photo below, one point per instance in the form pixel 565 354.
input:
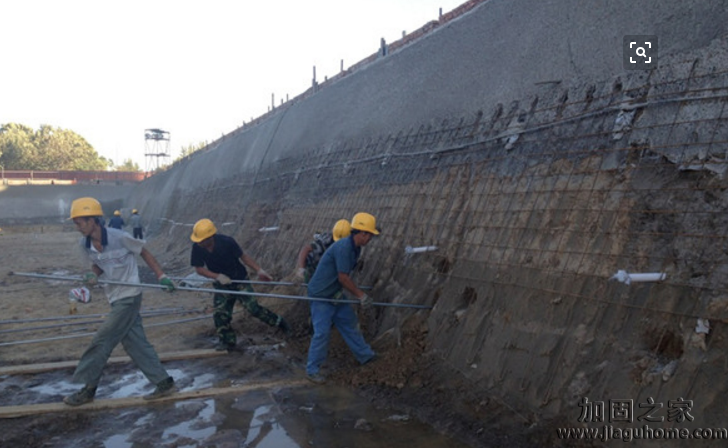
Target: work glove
pixel 90 279
pixel 366 301
pixel 300 275
pixel 223 279
pixel 263 276
pixel 167 283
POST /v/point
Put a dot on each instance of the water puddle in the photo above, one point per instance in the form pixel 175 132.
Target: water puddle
pixel 292 418
pixel 201 427
pixel 303 417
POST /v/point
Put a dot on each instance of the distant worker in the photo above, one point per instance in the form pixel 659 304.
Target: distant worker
pixel 136 224
pixel 331 278
pixel 116 222
pixel 112 254
pixel 219 257
pixel 310 254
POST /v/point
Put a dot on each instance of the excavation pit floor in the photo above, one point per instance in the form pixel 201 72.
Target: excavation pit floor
pixel 352 410
pixel 302 415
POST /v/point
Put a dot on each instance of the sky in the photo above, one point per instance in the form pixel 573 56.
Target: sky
pixel 109 70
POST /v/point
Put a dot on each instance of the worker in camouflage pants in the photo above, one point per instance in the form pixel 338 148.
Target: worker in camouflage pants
pixel 310 254
pixel 220 258
pixel 223 314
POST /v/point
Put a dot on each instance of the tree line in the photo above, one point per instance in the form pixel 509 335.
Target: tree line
pixel 51 149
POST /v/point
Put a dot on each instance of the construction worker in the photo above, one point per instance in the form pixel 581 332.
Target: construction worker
pixel 117 222
pixel 310 254
pixel 136 224
pixel 331 278
pixel 219 257
pixel 112 255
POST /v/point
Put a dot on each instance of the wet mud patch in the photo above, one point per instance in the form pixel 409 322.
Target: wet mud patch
pixel 305 416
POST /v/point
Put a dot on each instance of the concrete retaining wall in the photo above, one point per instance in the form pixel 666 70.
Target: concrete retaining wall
pixel 513 140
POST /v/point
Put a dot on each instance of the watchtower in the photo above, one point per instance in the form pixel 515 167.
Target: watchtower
pixel 156 146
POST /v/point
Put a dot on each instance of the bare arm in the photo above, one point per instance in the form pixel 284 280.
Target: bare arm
pixel 262 275
pixel 203 271
pixel 350 286
pixel 247 261
pixel 152 262
pixel 96 270
pixel 302 254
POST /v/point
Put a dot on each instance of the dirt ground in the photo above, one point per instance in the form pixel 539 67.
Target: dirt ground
pixel 404 377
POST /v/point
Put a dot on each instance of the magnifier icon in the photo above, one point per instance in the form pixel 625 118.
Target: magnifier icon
pixel 639 52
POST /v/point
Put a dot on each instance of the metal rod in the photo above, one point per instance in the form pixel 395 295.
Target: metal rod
pixel 220 291
pixel 56 338
pixel 85 322
pixel 80 335
pixel 246 282
pixel 143 313
pixel 254 282
pixel 45 327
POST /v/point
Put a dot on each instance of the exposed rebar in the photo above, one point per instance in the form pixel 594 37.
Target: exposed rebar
pixel 144 313
pixel 80 335
pixel 84 322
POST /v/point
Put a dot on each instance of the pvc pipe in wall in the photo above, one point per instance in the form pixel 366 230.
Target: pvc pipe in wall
pixel 627 278
pixel 418 250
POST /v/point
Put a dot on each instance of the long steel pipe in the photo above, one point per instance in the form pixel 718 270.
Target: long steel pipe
pixel 254 282
pixel 212 290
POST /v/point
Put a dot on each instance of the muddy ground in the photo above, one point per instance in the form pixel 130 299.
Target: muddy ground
pixel 406 378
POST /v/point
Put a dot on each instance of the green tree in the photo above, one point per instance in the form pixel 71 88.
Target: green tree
pixel 128 165
pixel 47 149
pixel 15 145
pixel 187 150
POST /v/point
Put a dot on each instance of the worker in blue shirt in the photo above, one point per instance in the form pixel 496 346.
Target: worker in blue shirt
pixel 331 278
pixel 117 222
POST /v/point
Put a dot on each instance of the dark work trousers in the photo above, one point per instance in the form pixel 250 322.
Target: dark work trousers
pixel 223 314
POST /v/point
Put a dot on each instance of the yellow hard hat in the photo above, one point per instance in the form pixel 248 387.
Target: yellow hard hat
pixel 365 222
pixel 85 207
pixel 203 230
pixel 135 211
pixel 342 229
pixel 117 213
